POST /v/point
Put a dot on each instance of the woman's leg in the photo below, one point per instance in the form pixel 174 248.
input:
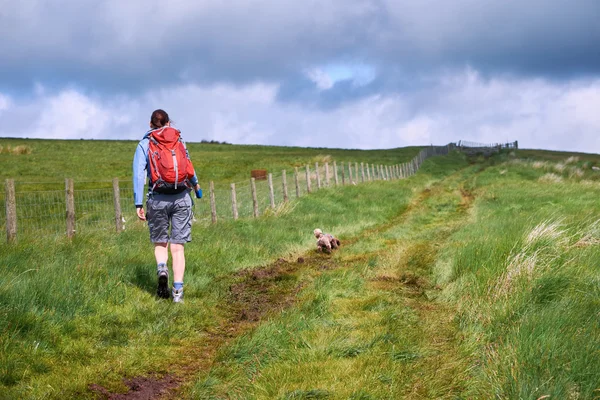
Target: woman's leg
pixel 161 253
pixel 178 254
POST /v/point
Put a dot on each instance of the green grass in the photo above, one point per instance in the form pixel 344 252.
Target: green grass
pixel 85 312
pixel 473 279
pixel 51 161
pixel 526 284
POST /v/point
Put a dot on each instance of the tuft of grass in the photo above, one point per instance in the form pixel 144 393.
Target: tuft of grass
pixel 16 150
pixel 551 178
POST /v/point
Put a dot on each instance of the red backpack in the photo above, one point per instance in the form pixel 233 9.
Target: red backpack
pixel 170 167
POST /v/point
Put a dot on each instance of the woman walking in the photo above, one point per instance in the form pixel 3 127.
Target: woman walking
pixel 162 158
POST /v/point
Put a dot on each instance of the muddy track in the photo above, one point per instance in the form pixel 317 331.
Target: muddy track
pixel 254 295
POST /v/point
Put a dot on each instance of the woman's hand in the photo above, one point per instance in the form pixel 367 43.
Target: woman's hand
pixel 140 213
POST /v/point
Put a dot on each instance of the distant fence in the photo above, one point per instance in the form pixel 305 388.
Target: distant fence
pixel 99 205
pixel 472 148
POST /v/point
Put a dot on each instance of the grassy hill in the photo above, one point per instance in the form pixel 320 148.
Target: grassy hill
pixel 41 161
pixel 475 278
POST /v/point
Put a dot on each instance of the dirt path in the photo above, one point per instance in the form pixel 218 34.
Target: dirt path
pixel 264 292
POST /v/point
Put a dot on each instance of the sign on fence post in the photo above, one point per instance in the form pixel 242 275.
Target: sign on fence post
pixel 234 208
pixel 335 174
pixel 213 205
pixel 284 182
pixel 70 200
pixel 117 203
pixel 11 212
pixel 254 199
pixel 308 178
pixel 271 192
pixel 297 183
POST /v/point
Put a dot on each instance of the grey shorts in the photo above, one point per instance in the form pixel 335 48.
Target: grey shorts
pixel 172 211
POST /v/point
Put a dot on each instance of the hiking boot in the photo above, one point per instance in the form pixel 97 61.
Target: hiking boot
pixel 162 290
pixel 177 295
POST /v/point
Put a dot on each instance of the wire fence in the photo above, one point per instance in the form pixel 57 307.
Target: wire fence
pixel 83 207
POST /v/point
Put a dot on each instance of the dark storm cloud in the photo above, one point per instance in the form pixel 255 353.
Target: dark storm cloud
pixel 111 46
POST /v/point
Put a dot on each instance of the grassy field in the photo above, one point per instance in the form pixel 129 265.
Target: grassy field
pixel 41 164
pixel 476 278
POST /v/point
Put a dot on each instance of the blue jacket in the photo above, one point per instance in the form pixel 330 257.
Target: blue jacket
pixel 141 170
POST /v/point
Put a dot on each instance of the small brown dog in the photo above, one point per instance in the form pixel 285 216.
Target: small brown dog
pixel 325 241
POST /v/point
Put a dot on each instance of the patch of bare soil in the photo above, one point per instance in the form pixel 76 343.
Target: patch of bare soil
pixel 140 388
pixel 258 292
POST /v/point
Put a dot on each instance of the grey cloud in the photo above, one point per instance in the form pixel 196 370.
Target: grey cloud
pixel 130 46
pixel 538 113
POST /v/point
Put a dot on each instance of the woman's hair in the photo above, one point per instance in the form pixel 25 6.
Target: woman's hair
pixel 159 118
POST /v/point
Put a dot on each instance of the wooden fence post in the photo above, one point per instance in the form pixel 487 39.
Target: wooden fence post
pixel 308 178
pixel 254 199
pixel 368 173
pixel 213 205
pixel 318 175
pixel 271 192
pixel 327 174
pixel 234 208
pixel 362 172
pixel 335 173
pixel 343 174
pixel 356 171
pixel 70 200
pixel 284 183
pixel 350 173
pixel 117 204
pixel 297 183
pixel 11 211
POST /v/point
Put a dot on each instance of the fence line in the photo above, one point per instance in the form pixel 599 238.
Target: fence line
pixel 473 148
pixel 75 210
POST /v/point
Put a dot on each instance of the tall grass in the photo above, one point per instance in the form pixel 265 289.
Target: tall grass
pixel 524 277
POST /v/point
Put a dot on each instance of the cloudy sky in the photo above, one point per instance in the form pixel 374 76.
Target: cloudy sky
pixel 336 73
